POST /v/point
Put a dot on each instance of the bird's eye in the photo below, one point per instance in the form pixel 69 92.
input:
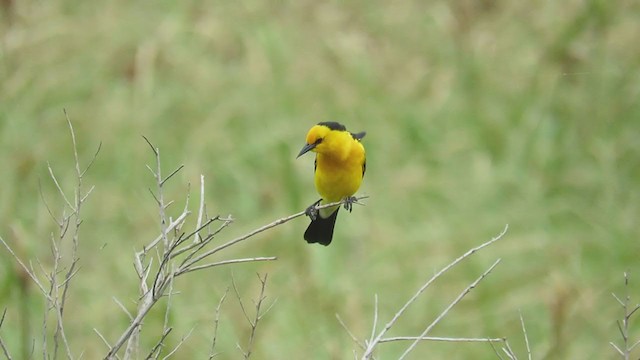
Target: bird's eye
pixel 318 141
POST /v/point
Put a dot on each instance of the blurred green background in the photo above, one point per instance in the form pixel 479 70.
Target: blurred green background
pixel 478 113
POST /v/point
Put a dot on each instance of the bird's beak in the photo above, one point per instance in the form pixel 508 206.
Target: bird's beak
pixel 306 148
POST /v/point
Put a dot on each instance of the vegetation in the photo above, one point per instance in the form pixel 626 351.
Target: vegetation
pixel 478 114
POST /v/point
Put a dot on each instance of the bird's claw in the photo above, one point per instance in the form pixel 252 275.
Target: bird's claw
pixel 312 211
pixel 349 201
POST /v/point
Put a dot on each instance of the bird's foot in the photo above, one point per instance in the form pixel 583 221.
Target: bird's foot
pixel 349 201
pixel 312 211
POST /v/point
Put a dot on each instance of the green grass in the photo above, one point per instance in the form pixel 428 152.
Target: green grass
pixel 478 114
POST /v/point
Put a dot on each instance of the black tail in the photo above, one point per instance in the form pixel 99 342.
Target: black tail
pixel 321 230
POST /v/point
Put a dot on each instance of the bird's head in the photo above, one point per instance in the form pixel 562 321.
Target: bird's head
pixel 315 138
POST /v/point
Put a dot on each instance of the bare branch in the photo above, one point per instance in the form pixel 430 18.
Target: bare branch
pixel 73 141
pixel 351 335
pixel 159 344
pixel 374 327
pixel 153 148
pixel 104 340
pixel 226 262
pixel 86 195
pixel 170 227
pixel 526 338
pixel 201 243
pixel 618 299
pixel 216 321
pixel 46 205
pixel 616 348
pixel 26 270
pixel 441 339
pixel 624 324
pixel 4 312
pixel 446 310
pixel 95 156
pixel 371 346
pixel 124 309
pixel 495 350
pixel 2 345
pixel 171 175
pixel 165 326
pixel 235 290
pixel 184 338
pixel 55 180
pixel 258 314
pixel 200 210
pixel 137 321
pixel 255 232
pixel 508 351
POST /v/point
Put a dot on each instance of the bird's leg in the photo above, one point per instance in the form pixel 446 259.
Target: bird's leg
pixel 311 211
pixel 349 201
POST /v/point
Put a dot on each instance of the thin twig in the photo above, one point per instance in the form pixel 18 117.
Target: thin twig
pixel 95 156
pixel 73 142
pixel 170 227
pixel 351 335
pixel 203 242
pixel 104 340
pixel 122 307
pixel 2 345
pixel 235 290
pixel 55 181
pixel 153 148
pixel 142 312
pixel 374 327
pixel 46 205
pixel 526 338
pixel 200 209
pixel 258 314
pixel 155 350
pixel 216 322
pixel 4 313
pixel 167 310
pixel 171 175
pixel 623 325
pixel 509 351
pixel 441 339
pixel 27 270
pixel 226 262
pixel 495 350
pixel 182 340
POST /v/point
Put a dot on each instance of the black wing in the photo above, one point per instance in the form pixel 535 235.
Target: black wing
pixel 364 167
pixel 359 135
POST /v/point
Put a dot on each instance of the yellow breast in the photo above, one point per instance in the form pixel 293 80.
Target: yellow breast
pixel 339 174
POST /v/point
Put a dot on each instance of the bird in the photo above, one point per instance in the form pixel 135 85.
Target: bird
pixel 340 165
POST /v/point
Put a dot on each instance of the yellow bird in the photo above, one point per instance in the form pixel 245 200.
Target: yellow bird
pixel 339 168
